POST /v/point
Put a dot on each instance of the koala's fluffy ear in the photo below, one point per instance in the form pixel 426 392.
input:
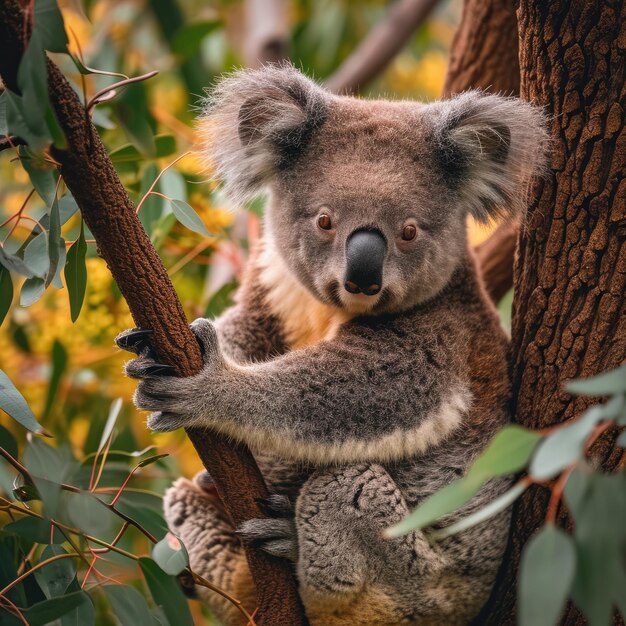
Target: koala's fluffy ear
pixel 256 122
pixel 489 148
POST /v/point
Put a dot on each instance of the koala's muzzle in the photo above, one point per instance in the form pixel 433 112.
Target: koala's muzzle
pixel 365 255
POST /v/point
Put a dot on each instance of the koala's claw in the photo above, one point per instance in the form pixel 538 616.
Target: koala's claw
pixel 159 369
pixel 276 506
pixel 134 340
pixel 274 536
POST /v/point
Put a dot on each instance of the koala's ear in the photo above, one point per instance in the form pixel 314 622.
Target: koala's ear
pixel 489 148
pixel 256 122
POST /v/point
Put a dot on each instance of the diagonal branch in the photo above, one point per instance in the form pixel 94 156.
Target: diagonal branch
pixel 144 283
pixel 380 45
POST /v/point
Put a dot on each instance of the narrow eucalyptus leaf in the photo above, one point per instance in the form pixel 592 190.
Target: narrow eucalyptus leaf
pixel 602 385
pixel 49 23
pixel 187 216
pixel 547 570
pixel 41 175
pixel 14 263
pixel 12 402
pixel 36 255
pixel 129 606
pixel 54 578
pixel 76 274
pixel 56 245
pixel 45 612
pixel 6 292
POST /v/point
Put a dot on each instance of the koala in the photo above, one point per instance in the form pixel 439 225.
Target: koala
pixel 363 362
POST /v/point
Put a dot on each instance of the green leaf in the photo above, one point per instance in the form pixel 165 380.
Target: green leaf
pixel 600 535
pixel 41 175
pixel 148 518
pixel 170 555
pixel 547 571
pixel 32 79
pixel 577 487
pixel 8 441
pixel 59 363
pixel 55 577
pixel 35 530
pixel 489 510
pixel 508 452
pixel 166 593
pixel 621 440
pixel 83 615
pixel 187 40
pixel 443 501
pixel 152 207
pixel 38 137
pixel 161 230
pixel 36 255
pixel 186 215
pixel 604 384
pixel 56 245
pixel 14 263
pixel 12 402
pixel 128 605
pixel 564 446
pixel 87 514
pixel 6 292
pixel 49 24
pixel 164 146
pixel 172 184
pixel 32 289
pixel 45 612
pixel 76 274
pixel 135 118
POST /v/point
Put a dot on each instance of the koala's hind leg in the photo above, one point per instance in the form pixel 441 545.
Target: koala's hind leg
pixel 349 574
pixel 194 513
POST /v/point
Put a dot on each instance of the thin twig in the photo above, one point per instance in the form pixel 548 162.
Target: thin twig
pixel 102 95
pixel 156 180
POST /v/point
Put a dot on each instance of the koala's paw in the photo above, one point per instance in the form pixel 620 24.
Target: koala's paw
pixel 175 402
pixel 275 534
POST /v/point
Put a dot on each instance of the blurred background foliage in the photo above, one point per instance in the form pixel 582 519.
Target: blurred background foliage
pixel 71 373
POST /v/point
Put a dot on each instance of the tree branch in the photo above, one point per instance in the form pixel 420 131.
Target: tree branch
pixel 484 56
pixel 144 283
pixel 380 45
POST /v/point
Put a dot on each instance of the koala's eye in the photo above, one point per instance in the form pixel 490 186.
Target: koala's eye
pixel 409 232
pixel 324 221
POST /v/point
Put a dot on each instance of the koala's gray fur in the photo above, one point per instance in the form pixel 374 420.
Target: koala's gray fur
pixel 358 407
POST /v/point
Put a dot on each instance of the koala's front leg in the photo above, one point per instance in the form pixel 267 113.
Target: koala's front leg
pixel 365 395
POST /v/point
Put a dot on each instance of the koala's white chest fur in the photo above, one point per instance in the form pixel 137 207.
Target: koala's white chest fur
pixel 306 321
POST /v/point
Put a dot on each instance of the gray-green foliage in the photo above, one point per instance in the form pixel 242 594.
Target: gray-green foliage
pixel 587 566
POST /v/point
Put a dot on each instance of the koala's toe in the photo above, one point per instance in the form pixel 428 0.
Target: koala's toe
pixel 134 339
pixel 276 505
pixel 205 333
pixel 275 536
pixel 162 422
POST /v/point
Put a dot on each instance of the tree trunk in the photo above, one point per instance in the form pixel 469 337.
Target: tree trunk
pixel 143 281
pixel 484 55
pixel 569 311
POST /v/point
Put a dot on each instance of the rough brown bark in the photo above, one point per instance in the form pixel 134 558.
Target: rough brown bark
pixel 484 55
pixel 569 310
pixel 144 283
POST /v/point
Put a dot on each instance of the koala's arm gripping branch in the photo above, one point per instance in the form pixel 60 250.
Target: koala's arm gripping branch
pixel 144 283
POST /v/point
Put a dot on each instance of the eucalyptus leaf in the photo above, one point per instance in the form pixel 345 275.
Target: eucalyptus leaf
pixel 89 515
pixel 56 245
pixel 564 445
pixel 166 593
pixel 49 24
pixel 41 175
pixel 34 529
pixel 187 216
pixel 36 255
pixel 604 384
pixel 6 292
pixel 107 431
pixel 32 289
pixel 76 274
pixel 54 578
pixel 441 503
pixel 14 263
pixel 13 403
pixel 45 612
pixel 547 569
pixel 165 145
pixel 489 510
pixel 8 441
pixel 170 555
pixel 129 606
pixel 59 364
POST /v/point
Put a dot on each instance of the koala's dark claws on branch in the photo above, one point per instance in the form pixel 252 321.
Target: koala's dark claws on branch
pixel 276 505
pixel 160 369
pixel 134 340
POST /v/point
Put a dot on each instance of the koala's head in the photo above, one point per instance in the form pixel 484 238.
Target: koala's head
pixel 368 199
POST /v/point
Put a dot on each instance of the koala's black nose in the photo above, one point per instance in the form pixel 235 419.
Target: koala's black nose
pixel 365 254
